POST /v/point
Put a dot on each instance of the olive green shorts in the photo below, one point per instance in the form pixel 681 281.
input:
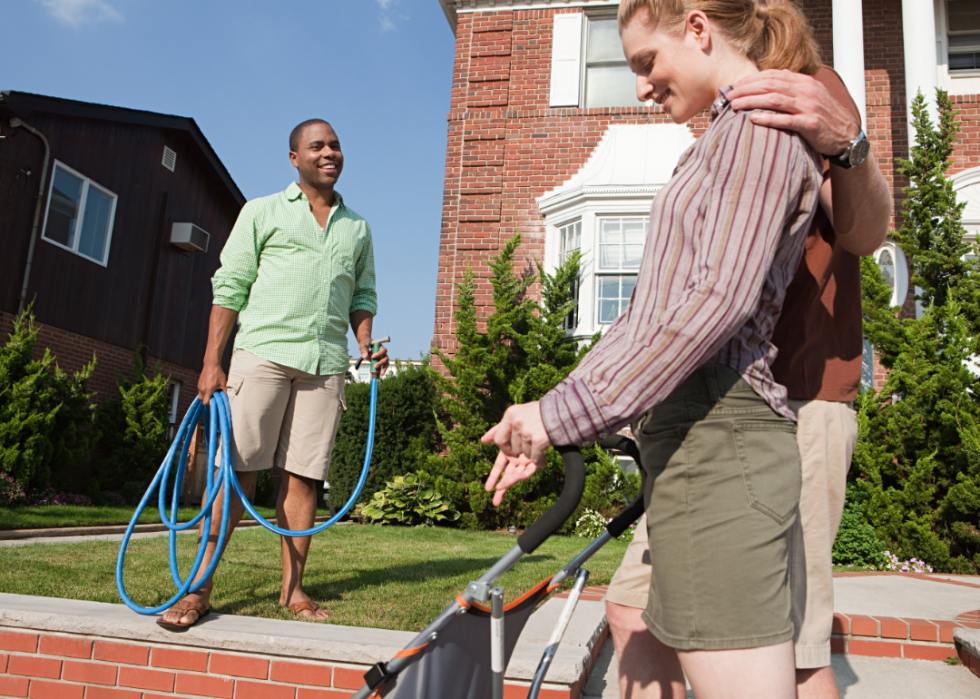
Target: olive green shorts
pixel 722 496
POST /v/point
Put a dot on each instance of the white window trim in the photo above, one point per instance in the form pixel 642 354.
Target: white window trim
pixel 83 200
pixel 958 82
pixel 900 293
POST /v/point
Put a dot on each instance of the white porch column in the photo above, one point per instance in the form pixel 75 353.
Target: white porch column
pixel 849 51
pixel 921 66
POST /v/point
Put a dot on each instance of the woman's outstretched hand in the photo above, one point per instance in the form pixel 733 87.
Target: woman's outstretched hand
pixel 523 443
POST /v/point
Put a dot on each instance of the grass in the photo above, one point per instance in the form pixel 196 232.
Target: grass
pixel 54 516
pixel 366 575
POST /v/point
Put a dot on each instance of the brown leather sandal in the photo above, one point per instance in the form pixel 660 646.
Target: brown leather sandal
pixel 185 605
pixel 298 608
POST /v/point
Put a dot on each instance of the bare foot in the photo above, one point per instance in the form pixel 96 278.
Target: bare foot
pixel 187 611
pixel 301 605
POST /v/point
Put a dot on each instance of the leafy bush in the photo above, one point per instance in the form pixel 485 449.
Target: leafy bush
pixel 46 416
pixel 918 454
pixel 857 544
pixel 410 499
pixel 134 432
pixel 405 431
pixel 11 494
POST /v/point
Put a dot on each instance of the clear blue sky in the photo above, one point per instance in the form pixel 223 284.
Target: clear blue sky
pixel 247 72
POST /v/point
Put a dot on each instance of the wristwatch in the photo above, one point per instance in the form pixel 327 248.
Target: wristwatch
pixel 855 154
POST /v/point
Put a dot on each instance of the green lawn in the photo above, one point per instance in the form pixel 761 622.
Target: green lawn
pixel 72 516
pixel 366 575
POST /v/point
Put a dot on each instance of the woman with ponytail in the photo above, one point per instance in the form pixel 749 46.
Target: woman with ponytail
pixel 688 363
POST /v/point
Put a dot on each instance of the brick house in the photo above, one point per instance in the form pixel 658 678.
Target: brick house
pixel 546 136
pixel 117 245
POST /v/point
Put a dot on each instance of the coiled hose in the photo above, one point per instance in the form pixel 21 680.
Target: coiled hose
pixel 217 422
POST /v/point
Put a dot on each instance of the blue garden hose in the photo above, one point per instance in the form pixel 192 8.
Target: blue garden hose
pixel 218 422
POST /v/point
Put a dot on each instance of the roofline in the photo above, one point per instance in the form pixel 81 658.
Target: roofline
pixel 449 7
pixel 26 103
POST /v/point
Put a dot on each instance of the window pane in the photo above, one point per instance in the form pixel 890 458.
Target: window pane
pixel 604 43
pixel 633 231
pixel 608 311
pixel 887 264
pixel 964 61
pixel 610 256
pixel 964 42
pixel 608 287
pixel 610 232
pixel 66 191
pixel 610 86
pixel 577 240
pixel 95 226
pixel 964 15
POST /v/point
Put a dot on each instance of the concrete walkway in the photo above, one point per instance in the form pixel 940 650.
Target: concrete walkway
pixel 936 597
pixel 858 677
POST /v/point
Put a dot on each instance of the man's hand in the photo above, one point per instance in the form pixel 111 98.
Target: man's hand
pixel 523 443
pixel 802 105
pixel 381 357
pixel 212 379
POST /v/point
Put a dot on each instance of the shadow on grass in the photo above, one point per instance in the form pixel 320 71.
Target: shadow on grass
pixel 326 592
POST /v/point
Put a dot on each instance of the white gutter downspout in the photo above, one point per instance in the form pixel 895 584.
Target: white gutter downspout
pixel 14 123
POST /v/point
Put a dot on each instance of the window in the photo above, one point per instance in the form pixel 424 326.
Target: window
pixel 173 400
pixel 963 32
pixel 570 240
pixel 80 214
pixel 620 249
pixel 609 82
pixel 894 270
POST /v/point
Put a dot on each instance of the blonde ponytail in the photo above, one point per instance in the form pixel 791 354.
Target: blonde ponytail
pixel 774 37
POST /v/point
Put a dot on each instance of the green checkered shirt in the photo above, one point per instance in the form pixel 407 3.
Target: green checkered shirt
pixel 293 285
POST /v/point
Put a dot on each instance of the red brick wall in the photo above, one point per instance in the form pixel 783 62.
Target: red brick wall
pixel 61 666
pixel 75 351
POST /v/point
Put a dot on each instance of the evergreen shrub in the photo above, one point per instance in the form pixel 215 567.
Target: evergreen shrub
pixel 405 431
pixel 918 455
pixel 857 543
pixel 46 415
pixel 134 432
pixel 520 353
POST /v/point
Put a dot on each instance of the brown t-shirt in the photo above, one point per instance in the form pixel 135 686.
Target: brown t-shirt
pixel 819 333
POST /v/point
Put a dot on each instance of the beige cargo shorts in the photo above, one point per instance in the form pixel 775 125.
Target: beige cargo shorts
pixel 282 416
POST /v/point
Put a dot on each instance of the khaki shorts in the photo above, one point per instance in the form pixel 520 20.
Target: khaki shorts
pixel 282 417
pixel 722 494
pixel 826 435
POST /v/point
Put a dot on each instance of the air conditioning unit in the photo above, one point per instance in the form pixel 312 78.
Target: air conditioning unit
pixel 189 237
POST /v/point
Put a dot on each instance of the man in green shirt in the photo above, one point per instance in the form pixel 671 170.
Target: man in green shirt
pixel 298 267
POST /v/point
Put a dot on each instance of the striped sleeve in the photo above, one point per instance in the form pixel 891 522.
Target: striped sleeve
pixel 712 242
pixel 233 281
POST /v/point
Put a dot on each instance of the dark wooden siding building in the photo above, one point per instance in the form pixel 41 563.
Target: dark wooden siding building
pixel 104 277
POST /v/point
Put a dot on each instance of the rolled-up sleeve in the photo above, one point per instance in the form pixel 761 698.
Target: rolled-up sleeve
pixel 365 296
pixel 233 281
pixel 752 183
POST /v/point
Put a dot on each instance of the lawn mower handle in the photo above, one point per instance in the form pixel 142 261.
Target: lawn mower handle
pixel 552 520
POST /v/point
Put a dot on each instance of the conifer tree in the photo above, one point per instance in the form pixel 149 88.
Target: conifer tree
pixel 918 454
pixel 523 353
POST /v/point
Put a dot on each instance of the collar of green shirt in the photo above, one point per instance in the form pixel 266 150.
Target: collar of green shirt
pixel 293 192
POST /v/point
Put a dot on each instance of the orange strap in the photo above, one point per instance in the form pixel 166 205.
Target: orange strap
pixel 408 652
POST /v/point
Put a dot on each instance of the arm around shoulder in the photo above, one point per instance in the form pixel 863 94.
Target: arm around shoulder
pixel 859 203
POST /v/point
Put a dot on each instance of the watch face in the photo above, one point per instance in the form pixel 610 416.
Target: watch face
pixel 859 153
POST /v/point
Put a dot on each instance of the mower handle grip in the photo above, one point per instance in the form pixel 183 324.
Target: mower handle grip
pixel 552 520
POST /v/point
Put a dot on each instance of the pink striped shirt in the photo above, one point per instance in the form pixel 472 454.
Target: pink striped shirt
pixel 726 236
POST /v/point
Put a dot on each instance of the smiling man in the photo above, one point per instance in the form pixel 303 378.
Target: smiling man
pixel 297 269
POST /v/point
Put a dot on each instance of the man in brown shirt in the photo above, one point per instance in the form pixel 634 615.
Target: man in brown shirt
pixel 819 337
